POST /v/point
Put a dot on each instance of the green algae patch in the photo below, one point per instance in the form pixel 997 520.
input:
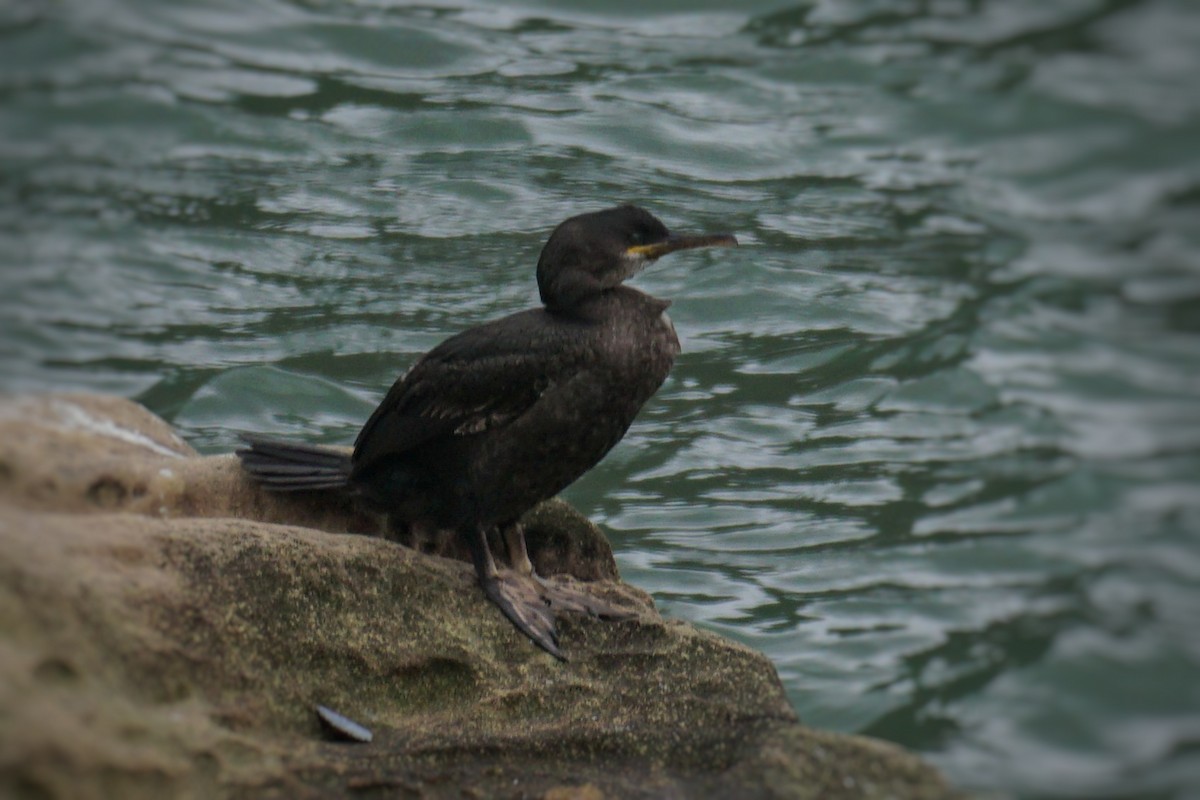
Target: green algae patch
pixel 175 640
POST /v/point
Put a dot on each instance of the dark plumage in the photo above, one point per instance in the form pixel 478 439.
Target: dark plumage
pixel 509 413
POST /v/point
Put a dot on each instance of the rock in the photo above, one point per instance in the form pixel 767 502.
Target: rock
pixel 167 630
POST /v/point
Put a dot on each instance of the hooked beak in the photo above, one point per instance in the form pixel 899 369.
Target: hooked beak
pixel 673 243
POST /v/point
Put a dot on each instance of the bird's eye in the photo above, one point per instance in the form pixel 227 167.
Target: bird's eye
pixel 637 238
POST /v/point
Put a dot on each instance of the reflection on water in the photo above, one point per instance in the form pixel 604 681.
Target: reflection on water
pixel 934 440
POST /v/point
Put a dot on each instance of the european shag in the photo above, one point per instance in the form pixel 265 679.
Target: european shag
pixel 505 415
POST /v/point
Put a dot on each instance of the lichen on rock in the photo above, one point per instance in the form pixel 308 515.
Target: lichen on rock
pixel 167 630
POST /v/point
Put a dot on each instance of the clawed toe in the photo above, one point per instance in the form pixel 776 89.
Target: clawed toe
pixel 532 604
pixel 520 599
pixel 564 593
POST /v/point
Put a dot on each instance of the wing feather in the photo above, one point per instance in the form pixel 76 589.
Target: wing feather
pixel 479 380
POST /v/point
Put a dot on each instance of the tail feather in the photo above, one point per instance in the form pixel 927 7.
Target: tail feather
pixel 292 467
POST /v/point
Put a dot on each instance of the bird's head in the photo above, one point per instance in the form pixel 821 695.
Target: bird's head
pixel 591 253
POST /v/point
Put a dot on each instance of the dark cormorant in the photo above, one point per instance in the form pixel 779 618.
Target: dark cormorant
pixel 505 415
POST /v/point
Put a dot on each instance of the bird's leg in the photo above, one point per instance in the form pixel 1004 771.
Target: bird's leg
pixel 560 592
pixel 416 534
pixel 518 553
pixel 422 537
pixel 517 596
pixel 481 555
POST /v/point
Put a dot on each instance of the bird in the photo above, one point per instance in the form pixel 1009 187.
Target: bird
pixel 506 414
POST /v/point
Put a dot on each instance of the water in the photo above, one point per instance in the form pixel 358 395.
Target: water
pixel 934 441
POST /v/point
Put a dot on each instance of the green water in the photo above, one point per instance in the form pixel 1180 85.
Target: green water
pixel 933 444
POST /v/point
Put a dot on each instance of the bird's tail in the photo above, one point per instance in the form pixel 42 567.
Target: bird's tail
pixel 291 467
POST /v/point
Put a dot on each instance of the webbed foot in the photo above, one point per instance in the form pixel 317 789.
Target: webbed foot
pixel 561 592
pixel 565 593
pixel 520 598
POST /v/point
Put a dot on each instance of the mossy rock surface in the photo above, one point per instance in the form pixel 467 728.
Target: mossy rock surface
pixel 167 630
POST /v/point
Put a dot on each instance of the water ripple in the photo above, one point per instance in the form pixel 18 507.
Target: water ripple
pixel 933 441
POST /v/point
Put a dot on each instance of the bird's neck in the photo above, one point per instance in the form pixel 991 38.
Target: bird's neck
pixel 610 302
